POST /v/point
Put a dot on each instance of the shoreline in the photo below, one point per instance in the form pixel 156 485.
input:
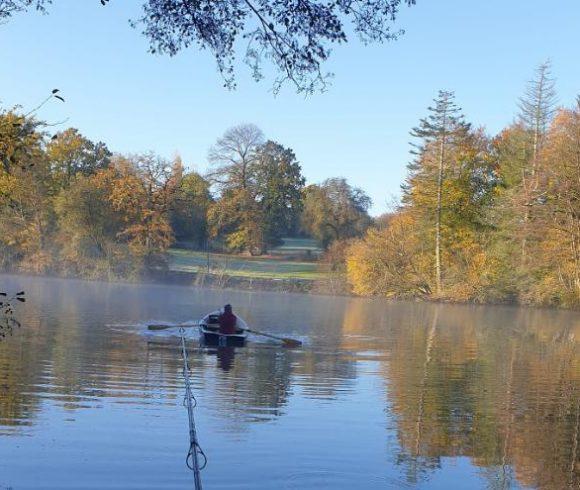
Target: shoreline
pixel 327 287
pixel 226 281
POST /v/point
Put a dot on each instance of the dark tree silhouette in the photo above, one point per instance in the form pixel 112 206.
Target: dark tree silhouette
pixel 8 321
pixel 11 7
pixel 294 35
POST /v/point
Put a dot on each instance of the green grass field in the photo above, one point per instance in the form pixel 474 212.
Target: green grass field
pixel 191 261
pixel 298 247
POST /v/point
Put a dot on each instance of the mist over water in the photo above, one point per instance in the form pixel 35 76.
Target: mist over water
pixel 381 395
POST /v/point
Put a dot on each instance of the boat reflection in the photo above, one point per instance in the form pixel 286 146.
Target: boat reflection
pixel 225 356
pixel 496 386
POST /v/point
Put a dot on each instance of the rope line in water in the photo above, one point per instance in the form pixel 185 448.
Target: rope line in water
pixel 195 451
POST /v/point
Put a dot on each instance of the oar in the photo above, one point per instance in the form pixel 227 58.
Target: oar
pixel 163 326
pixel 287 341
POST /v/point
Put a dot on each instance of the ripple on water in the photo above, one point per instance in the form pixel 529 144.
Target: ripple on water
pixel 346 479
pixel 451 396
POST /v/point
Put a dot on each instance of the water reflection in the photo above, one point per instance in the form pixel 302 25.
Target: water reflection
pixel 225 356
pixel 494 386
pixel 497 385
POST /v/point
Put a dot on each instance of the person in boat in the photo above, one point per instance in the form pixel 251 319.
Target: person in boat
pixel 228 321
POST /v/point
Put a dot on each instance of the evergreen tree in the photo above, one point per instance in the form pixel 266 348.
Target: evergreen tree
pixel 537 108
pixel 279 184
pixel 441 130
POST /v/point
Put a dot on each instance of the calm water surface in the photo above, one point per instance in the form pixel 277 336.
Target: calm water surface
pixel 381 395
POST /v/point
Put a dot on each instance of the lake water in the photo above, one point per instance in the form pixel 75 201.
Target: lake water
pixel 381 395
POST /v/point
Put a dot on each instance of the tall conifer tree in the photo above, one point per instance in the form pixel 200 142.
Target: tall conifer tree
pixel 537 108
pixel 438 132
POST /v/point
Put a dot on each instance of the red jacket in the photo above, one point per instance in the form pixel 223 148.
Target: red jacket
pixel 228 323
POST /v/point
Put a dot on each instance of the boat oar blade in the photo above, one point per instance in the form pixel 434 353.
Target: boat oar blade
pixel 163 326
pixel 159 327
pixel 292 343
pixel 287 342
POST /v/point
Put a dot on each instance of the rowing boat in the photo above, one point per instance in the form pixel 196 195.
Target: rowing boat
pixel 209 327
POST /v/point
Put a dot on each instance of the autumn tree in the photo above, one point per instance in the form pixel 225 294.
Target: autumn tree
pixel 237 219
pixel 260 189
pixel 537 107
pixel 556 264
pixel 234 216
pixel 335 210
pixel 520 196
pixel 395 259
pixel 26 219
pixel 21 141
pixel 70 153
pixel 143 194
pixel 89 225
pixel 512 153
pixel 26 215
pixel 443 129
pixel 390 262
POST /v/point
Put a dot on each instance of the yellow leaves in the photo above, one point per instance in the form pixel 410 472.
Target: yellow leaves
pixel 237 217
pixel 557 271
pixel 152 235
pixel 558 268
pixel 359 267
pixel 238 240
pixel 20 142
pixel 127 194
pixel 389 262
pixel 40 261
pixel 142 203
pixel 8 184
pixel 394 262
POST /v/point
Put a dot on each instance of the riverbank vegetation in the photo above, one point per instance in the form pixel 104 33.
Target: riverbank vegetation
pixel 70 206
pixel 483 218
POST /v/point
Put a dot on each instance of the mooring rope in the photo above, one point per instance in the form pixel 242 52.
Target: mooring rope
pixel 195 451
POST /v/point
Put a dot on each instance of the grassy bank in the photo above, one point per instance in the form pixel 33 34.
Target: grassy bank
pixel 188 261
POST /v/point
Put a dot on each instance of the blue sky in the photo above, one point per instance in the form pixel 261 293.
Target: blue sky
pixel 359 129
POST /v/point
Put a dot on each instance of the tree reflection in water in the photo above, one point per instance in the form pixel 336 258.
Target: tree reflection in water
pixel 496 385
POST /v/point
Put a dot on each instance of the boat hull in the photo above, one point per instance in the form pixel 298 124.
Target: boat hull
pixel 216 339
pixel 210 334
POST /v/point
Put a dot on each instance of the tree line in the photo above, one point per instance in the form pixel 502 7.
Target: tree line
pixel 70 206
pixel 483 218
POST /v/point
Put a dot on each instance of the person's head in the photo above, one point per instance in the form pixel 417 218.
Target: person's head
pixel 227 308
